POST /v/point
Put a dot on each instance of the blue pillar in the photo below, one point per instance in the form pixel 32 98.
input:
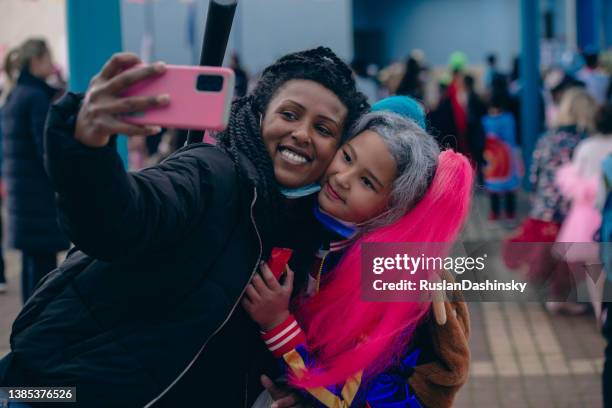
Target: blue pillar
pixel 530 78
pixel 607 26
pixel 94 34
pixel 589 23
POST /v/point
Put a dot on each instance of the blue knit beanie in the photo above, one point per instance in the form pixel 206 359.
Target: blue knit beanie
pixel 402 105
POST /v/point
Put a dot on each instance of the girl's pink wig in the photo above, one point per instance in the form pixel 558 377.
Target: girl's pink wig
pixel 348 335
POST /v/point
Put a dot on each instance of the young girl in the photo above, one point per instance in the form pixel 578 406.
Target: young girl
pixel 389 183
pixel 502 173
pixel 580 182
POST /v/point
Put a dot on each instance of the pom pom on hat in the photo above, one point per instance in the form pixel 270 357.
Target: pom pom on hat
pixel 402 105
pixel 457 61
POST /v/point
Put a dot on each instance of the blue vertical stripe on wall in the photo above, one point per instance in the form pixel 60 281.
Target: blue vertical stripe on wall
pixel 587 24
pixel 607 25
pixel 94 34
pixel 530 77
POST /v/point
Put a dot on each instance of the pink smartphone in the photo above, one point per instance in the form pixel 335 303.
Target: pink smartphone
pixel 200 98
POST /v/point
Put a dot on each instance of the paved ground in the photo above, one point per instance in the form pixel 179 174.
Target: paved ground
pixel 521 355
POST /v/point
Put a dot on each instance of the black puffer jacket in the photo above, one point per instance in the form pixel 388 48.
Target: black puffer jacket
pixel 151 315
pixel 32 214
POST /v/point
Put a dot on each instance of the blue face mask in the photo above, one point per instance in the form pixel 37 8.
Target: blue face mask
pixel 343 228
pixel 292 193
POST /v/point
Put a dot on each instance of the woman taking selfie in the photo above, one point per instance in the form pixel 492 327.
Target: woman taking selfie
pixel 145 311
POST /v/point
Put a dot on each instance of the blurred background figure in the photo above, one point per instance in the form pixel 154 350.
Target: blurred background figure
pixel 440 118
pixel 474 132
pixel 458 98
pixel 168 141
pixel 502 169
pixel 364 81
pixel 449 119
pixel 574 122
pixel 514 92
pixel 556 82
pixel 586 171
pixel 242 78
pixel 492 76
pixel 390 78
pixel 595 79
pixel 412 82
pixel 580 182
pixel 32 224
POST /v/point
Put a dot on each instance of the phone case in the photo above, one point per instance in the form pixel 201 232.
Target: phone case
pixel 279 258
pixel 189 108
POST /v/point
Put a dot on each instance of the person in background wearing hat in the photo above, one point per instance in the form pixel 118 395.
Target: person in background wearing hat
pixel 595 80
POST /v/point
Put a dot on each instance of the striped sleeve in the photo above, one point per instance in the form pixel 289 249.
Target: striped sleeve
pixel 284 337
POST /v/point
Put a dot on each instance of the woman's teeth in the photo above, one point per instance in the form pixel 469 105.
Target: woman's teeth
pixel 293 157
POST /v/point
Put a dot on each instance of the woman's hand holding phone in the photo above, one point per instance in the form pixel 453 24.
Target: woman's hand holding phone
pixel 100 115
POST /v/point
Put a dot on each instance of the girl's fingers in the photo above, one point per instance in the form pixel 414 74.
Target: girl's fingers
pixel 118 63
pixel 252 293
pixel 246 303
pixel 268 277
pixel 269 385
pixel 129 77
pixel 259 284
pixel 134 104
pixel 288 284
pixel 286 402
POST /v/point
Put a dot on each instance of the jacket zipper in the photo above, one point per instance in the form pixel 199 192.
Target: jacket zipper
pixel 226 318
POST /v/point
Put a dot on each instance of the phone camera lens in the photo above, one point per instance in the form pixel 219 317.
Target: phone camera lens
pixel 209 83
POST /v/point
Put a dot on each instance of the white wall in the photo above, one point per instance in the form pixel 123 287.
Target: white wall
pixel 263 29
pixel 21 19
pixel 271 28
pixel 440 27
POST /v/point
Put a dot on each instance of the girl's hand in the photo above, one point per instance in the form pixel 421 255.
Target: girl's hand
pixel 284 397
pixel 266 300
pixel 100 115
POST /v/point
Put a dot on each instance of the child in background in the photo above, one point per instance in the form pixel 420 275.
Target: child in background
pixel 387 184
pixel 575 121
pixel 580 182
pixel 502 171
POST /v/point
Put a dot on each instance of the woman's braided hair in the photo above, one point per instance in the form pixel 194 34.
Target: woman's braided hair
pixel 243 132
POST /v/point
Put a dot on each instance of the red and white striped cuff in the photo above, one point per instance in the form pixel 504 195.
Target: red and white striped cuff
pixel 284 337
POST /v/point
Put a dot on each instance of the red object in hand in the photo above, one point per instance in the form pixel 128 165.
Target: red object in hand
pixel 279 258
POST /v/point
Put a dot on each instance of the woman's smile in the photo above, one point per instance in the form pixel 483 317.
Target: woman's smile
pixel 294 155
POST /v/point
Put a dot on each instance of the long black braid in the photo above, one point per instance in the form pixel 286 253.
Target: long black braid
pixel 243 135
pixel 243 132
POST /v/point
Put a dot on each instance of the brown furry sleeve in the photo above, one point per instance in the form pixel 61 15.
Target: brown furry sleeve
pixel 436 383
